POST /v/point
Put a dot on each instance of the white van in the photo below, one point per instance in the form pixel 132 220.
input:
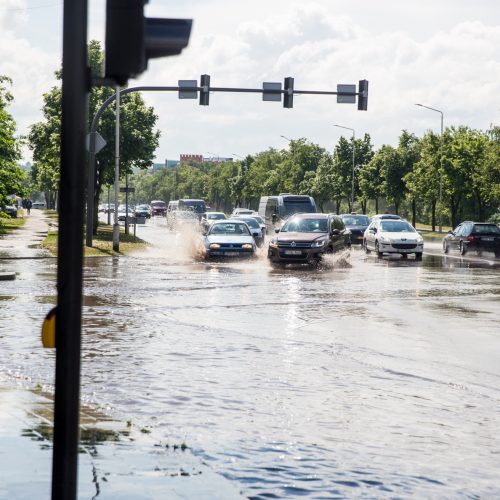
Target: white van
pixel 276 209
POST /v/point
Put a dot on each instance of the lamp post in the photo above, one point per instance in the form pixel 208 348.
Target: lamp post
pixel 440 168
pixel 353 160
pixel 286 138
pixel 214 155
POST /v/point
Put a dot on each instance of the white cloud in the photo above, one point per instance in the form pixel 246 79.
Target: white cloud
pixel 417 55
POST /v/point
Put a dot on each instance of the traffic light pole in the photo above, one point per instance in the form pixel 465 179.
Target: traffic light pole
pixel 75 86
pixel 201 89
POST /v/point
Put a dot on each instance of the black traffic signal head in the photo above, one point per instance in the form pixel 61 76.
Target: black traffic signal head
pixel 363 95
pixel 132 39
pixel 205 90
pixel 288 94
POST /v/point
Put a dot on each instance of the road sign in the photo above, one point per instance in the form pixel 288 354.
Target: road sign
pixel 350 90
pixel 271 91
pixel 188 94
pixel 99 142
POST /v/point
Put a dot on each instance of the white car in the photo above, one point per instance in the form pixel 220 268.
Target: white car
pixel 390 235
pixel 241 211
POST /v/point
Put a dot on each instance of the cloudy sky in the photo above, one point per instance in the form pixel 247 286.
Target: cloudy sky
pixel 444 54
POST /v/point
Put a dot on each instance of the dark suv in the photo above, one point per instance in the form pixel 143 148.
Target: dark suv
pixel 357 224
pixel 305 238
pixel 476 236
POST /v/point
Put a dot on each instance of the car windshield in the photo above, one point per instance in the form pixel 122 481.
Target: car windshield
pixel 297 225
pixel 158 204
pixel 251 222
pixel 396 226
pixel 356 220
pixel 230 229
pixel 294 207
pixel 215 216
pixel 258 218
pixel 142 207
pixel 486 229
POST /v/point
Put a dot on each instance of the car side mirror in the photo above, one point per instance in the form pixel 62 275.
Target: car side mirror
pixel 451 232
pixel 373 230
pixel 276 230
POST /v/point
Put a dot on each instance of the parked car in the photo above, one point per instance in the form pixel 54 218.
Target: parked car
pixel 158 207
pixel 392 235
pixel 10 210
pixel 357 224
pixel 477 236
pixel 261 221
pixel 305 238
pixel 254 227
pixel 39 205
pixel 142 211
pixel 229 238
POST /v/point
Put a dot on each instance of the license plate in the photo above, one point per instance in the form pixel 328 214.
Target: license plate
pixel 293 252
pixel 487 239
pixel 232 254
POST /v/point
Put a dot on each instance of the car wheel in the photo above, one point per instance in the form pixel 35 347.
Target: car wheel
pixel 418 256
pixel 445 246
pixel 462 248
pixel 377 250
pixel 365 246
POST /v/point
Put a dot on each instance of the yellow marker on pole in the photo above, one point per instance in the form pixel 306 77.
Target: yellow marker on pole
pixel 49 329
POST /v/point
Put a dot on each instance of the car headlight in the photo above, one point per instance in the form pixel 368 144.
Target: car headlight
pixel 214 245
pixel 319 243
pixel 247 246
pixel 385 239
pixel 420 240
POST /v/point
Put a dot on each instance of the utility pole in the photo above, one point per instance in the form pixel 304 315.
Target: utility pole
pixel 116 227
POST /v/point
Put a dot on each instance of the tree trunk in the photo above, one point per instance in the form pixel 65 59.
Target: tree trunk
pixel 337 206
pixel 376 205
pixel 480 208
pixel 413 212
pixel 363 206
pixel 396 207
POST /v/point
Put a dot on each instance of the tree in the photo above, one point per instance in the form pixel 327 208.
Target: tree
pixel 11 176
pixel 392 172
pixel 409 152
pixel 138 139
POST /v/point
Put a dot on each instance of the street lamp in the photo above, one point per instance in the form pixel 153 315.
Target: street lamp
pixel 440 169
pixel 286 138
pixel 353 160
pixel 214 155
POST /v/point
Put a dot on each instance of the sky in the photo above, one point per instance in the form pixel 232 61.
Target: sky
pixel 444 54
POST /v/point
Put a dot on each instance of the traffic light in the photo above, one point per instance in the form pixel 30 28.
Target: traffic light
pixel 363 95
pixel 132 39
pixel 288 94
pixel 205 90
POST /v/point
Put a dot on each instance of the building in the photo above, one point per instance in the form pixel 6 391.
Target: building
pixel 190 157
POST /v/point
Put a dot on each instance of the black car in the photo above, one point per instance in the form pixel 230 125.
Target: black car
pixel 305 238
pixel 142 211
pixel 357 224
pixel 478 236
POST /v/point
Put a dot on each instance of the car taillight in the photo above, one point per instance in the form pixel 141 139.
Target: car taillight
pixel 470 238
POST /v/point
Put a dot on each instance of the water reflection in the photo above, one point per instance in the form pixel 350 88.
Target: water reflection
pixel 371 379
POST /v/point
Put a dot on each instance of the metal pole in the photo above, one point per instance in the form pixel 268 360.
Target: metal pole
pixel 441 181
pixel 126 203
pixel 75 86
pixel 116 227
pixel 440 168
pixel 90 189
pixel 109 208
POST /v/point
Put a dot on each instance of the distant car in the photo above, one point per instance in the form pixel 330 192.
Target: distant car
pixel 210 217
pixel 10 210
pixel 122 213
pixel 357 224
pixel 306 238
pixel 391 235
pixel 184 218
pixel 142 211
pixel 261 221
pixel 38 204
pixel 477 236
pixel 254 227
pixel 241 211
pixel 158 207
pixel 229 238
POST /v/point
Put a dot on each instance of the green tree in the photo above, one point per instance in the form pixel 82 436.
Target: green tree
pixel 409 152
pixel 11 176
pixel 392 173
pixel 138 139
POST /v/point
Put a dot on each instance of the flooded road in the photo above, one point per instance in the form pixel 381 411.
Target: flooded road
pixel 375 379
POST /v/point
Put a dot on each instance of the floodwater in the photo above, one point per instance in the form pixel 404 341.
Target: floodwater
pixel 366 378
